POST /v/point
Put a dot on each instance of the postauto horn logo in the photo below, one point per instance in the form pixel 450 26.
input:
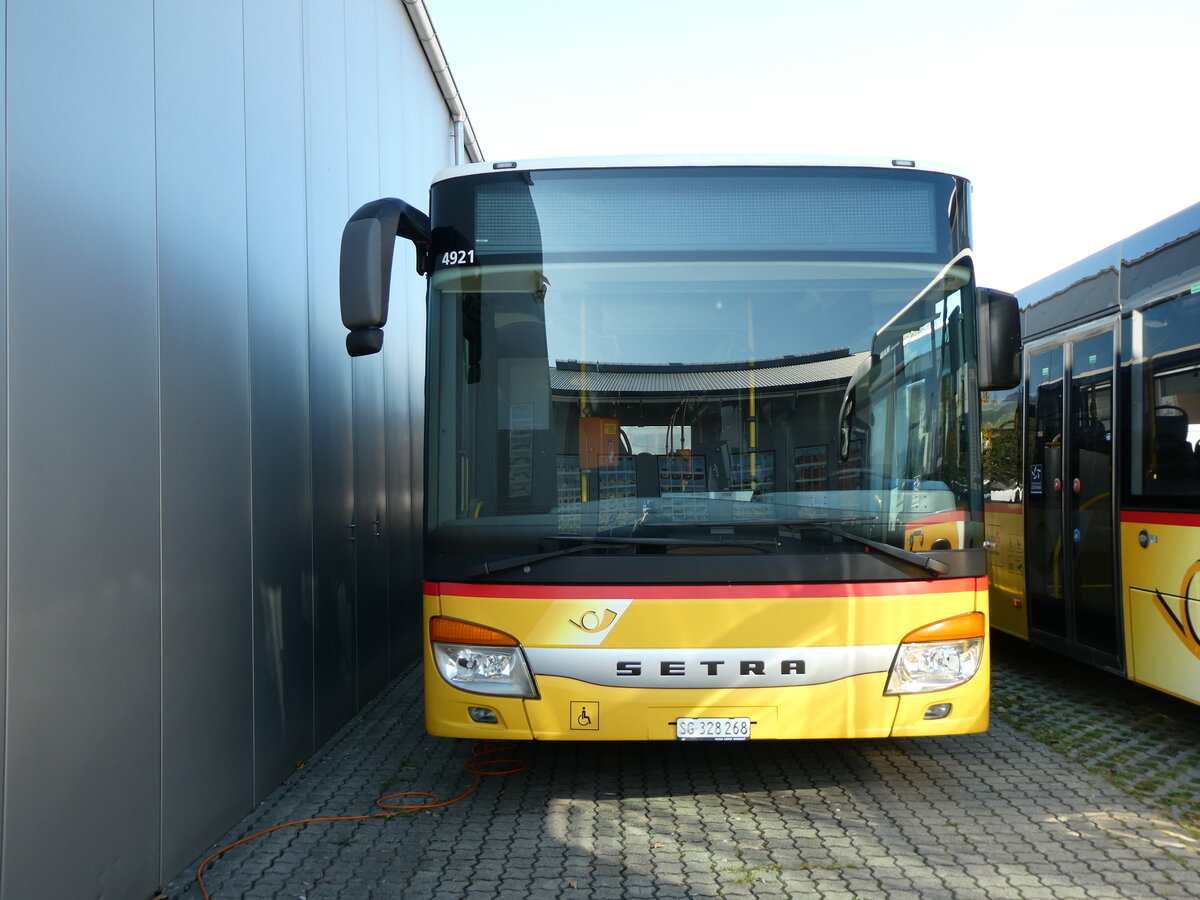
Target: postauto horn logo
pixel 589 622
pixel 593 622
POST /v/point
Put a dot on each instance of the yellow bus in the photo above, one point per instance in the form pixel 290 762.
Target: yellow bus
pixel 1092 464
pixel 702 446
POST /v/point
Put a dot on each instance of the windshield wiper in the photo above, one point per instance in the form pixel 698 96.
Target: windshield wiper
pixel 934 567
pixel 596 543
pixel 516 562
pixel 776 523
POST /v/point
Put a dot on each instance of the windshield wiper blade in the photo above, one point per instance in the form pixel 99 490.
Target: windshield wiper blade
pixel 516 562
pixel 934 567
pixel 596 543
pixel 777 523
pixel 723 540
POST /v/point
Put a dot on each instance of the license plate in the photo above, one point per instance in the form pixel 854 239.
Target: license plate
pixel 713 728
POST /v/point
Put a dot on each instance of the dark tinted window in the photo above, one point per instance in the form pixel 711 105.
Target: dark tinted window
pixel 1163 344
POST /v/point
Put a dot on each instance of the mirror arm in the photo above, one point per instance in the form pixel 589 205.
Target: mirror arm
pixel 368 244
pixel 399 219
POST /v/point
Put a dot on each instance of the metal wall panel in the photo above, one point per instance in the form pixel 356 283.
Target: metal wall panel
pixel 397 533
pixel 370 499
pixel 363 112
pixel 82 769
pixel 414 151
pixel 399 52
pixel 186 440
pixel 3 420
pixel 334 641
pixel 363 116
pixel 282 466
pixel 206 637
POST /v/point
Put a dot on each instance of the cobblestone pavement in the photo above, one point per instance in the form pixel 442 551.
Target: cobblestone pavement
pixel 1001 815
pixel 1142 740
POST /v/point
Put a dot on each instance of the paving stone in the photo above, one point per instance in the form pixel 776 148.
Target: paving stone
pixel 1001 815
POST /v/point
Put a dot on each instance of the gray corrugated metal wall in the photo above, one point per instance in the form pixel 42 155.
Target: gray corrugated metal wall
pixel 187 611
pixel 3 450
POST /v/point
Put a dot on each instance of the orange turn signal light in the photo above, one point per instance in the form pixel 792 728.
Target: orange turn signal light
pixel 957 628
pixel 445 630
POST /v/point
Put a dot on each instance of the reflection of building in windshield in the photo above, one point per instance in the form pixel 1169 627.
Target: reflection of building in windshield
pixel 596 444
pixel 685 436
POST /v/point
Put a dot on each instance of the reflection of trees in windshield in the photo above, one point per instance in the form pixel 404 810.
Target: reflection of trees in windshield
pixel 1002 446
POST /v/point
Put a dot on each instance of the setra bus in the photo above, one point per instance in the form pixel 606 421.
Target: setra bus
pixel 1092 464
pixel 702 446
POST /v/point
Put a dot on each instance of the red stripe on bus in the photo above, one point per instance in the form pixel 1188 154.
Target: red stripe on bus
pixel 703 591
pixel 938 519
pixel 1145 517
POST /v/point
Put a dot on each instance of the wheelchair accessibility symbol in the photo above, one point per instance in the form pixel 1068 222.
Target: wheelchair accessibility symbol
pixel 585 715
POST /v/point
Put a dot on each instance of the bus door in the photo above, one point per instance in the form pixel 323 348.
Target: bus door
pixel 1069 539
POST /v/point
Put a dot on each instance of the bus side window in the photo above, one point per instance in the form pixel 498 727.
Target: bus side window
pixel 1165 395
pixel 1172 452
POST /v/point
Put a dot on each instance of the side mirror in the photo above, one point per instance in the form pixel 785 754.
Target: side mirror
pixel 368 241
pixel 999 317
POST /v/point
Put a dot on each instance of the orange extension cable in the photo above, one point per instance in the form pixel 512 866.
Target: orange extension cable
pixel 477 764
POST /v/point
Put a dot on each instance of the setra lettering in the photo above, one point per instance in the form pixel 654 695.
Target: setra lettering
pixel 710 667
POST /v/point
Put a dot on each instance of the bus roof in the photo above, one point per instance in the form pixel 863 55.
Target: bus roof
pixel 693 160
pixel 1137 270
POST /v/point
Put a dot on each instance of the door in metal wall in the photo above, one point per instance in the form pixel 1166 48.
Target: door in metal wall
pixel 1070 560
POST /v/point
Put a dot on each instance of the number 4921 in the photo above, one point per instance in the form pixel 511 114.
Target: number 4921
pixel 458 258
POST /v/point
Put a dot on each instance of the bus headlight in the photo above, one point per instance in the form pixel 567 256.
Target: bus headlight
pixel 479 659
pixel 938 656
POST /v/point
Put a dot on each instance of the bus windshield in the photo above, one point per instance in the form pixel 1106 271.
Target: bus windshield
pixel 751 363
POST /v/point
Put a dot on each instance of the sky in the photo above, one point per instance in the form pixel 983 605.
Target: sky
pixel 1075 120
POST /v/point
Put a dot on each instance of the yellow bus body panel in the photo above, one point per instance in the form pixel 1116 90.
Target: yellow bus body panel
pixel 771 616
pixel 1162 608
pixel 1005 527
